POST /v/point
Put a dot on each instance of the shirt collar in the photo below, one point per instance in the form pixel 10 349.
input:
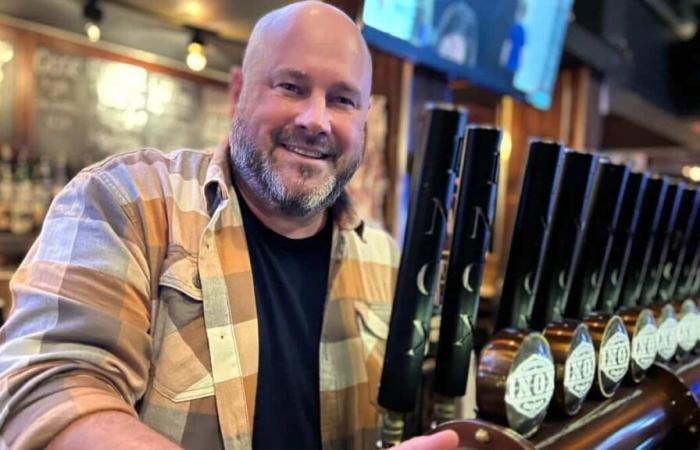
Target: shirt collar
pixel 218 187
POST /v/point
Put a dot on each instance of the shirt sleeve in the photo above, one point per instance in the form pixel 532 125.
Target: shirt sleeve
pixel 76 340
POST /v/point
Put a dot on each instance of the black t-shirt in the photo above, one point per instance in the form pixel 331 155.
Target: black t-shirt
pixel 290 277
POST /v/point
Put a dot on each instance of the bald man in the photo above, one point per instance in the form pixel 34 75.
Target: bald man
pixel 216 300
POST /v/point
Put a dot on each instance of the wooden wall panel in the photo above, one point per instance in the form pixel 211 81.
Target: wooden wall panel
pixel 391 78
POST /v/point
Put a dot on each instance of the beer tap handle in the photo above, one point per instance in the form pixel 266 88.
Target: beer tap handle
pixel 478 183
pixel 535 206
pixel 691 259
pixel 685 223
pixel 430 198
pixel 592 255
pixel 643 242
pixel 565 231
pixel 662 243
pixel 623 237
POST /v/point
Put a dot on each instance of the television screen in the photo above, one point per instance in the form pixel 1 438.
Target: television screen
pixel 509 46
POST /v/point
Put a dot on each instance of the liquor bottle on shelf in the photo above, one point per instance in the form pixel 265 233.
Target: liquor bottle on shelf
pixel 21 220
pixel 43 190
pixel 60 176
pixel 6 185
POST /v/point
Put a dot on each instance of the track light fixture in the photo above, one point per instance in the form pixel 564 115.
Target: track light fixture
pixel 93 15
pixel 196 58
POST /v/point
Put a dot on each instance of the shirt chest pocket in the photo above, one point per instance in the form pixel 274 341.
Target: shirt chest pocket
pixel 373 328
pixel 181 365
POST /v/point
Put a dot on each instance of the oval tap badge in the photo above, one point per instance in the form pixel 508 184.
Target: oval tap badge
pixel 615 356
pixel 644 346
pixel 685 331
pixel 529 388
pixel 666 338
pixel 579 370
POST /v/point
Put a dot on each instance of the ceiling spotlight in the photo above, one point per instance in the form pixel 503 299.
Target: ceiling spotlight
pixel 196 59
pixel 93 15
pixel 694 173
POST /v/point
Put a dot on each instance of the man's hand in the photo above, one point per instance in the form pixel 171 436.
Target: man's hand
pixel 444 440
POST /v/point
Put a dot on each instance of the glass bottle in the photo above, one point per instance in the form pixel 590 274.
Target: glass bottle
pixel 43 190
pixel 21 220
pixel 6 186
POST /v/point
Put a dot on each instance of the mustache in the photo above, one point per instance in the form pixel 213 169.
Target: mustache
pixel 299 137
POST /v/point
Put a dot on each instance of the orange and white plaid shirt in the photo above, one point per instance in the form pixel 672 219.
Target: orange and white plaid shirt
pixel 138 296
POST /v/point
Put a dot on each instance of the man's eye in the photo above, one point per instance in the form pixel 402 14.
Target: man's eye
pixel 290 87
pixel 345 101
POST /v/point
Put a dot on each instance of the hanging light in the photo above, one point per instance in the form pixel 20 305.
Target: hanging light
pixel 196 59
pixel 93 15
pixel 692 172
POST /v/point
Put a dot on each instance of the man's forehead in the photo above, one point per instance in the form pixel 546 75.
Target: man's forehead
pixel 307 35
pixel 300 51
pixel 312 31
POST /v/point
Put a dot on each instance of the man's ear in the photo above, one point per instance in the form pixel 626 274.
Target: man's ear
pixel 235 86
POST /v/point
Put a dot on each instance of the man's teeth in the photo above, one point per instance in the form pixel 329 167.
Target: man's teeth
pixel 305 152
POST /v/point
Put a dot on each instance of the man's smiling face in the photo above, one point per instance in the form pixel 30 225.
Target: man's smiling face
pixel 298 136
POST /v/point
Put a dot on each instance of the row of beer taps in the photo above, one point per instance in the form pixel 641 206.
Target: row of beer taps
pixel 602 271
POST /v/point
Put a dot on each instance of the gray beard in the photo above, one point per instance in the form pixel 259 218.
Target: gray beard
pixel 252 165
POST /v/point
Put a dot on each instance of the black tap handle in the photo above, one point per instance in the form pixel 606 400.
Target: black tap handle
pixel 567 223
pixel 623 237
pixel 643 242
pixel 431 188
pixel 662 243
pixel 529 233
pixel 592 255
pixel 472 230
pixel 685 223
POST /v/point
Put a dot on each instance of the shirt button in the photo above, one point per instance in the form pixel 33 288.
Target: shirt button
pixel 197 281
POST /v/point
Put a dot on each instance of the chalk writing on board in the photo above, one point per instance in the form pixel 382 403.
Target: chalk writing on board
pixel 95 106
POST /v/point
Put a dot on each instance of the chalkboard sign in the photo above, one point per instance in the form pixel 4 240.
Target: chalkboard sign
pixel 98 107
pixel 7 89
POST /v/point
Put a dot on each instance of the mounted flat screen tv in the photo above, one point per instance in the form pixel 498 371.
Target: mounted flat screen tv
pixel 509 46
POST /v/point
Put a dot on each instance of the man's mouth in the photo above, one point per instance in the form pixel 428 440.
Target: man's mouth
pixel 306 151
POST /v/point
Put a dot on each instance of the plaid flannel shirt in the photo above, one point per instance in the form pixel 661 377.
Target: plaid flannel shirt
pixel 138 297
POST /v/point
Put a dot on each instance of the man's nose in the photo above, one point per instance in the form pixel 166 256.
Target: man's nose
pixel 314 117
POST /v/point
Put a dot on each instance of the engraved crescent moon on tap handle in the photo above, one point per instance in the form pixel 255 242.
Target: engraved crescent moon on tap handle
pixel 527 283
pixel 420 280
pixel 466 278
pixel 561 279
